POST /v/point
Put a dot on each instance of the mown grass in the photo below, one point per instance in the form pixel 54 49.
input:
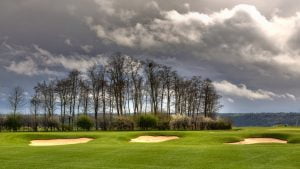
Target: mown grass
pixel 194 149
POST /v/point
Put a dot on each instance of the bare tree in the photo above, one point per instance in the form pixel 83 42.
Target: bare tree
pixel 84 95
pixel 74 87
pixel 117 75
pixel 136 80
pixel 165 78
pixel 103 84
pixel 177 94
pixel 16 99
pixel 35 104
pixel 194 95
pixel 96 76
pixel 62 89
pixel 152 74
pixel 48 99
pixel 210 99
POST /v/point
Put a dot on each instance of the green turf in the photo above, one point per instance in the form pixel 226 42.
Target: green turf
pixel 194 149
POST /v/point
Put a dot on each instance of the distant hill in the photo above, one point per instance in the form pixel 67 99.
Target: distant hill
pixel 263 119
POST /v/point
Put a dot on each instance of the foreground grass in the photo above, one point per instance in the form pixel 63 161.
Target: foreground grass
pixel 194 149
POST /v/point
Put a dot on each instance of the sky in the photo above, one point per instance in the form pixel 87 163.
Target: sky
pixel 250 49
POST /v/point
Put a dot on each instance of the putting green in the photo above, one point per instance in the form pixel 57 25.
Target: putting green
pixel 193 149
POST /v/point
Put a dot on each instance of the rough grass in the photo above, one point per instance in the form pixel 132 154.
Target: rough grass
pixel 194 149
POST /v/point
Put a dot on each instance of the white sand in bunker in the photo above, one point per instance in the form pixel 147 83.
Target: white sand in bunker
pixel 57 142
pixel 260 140
pixel 153 139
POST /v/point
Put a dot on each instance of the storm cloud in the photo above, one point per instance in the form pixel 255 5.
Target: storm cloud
pixel 249 48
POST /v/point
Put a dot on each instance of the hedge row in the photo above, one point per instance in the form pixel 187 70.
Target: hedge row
pixel 138 122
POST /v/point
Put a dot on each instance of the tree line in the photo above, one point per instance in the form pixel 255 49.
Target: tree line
pixel 124 86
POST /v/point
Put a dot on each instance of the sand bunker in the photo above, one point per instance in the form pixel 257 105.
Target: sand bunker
pixel 57 142
pixel 260 140
pixel 153 139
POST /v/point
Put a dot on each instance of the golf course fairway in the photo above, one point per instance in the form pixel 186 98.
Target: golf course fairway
pixel 192 150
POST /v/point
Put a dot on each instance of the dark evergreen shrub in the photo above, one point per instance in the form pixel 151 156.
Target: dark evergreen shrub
pixel 146 122
pixel 84 122
pixel 13 122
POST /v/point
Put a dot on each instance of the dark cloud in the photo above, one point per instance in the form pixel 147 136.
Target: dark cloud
pixel 252 47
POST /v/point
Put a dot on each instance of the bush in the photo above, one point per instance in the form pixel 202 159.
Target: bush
pixel 13 122
pixel 123 123
pixel 84 122
pixel 180 122
pixel 104 124
pixel 53 123
pixel 197 122
pixel 2 123
pixel 223 124
pixel 206 123
pixel 66 127
pixel 146 122
pixel 163 121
